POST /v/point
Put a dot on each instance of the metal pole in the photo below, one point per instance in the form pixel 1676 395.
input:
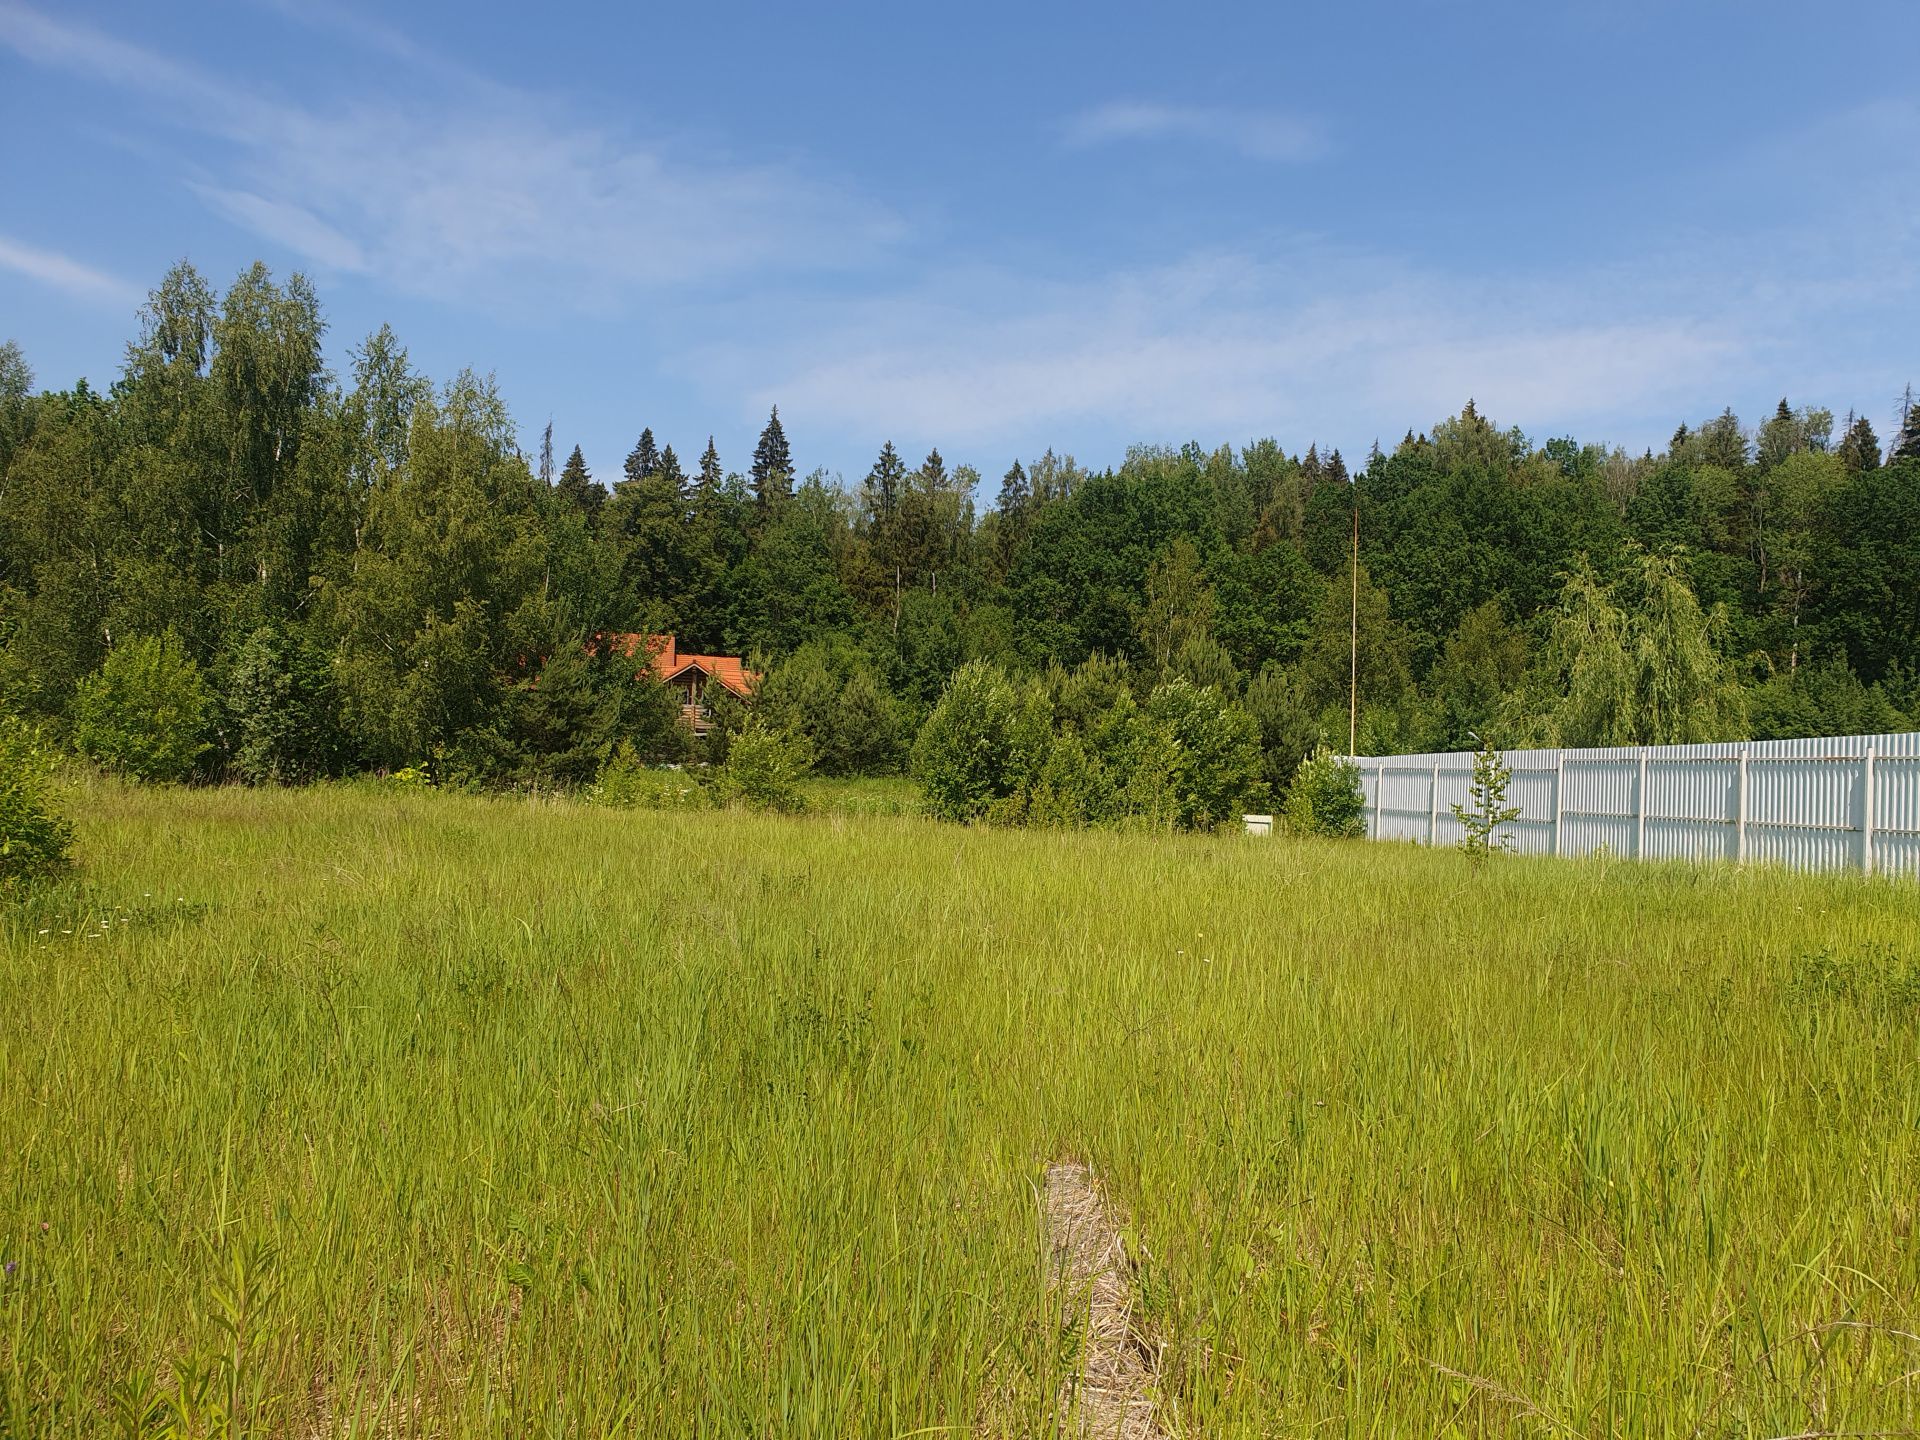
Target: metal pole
pixel 1740 821
pixel 1559 783
pixel 1866 811
pixel 1353 639
pixel 1433 806
pixel 1640 812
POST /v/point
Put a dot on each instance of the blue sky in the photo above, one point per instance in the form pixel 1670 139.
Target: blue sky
pixel 999 227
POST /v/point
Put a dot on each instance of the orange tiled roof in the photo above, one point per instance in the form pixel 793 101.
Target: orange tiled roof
pixel 667 661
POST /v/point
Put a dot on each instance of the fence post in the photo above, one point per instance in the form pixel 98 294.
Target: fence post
pixel 1866 811
pixel 1740 813
pixel 1373 811
pixel 1559 782
pixel 1433 806
pixel 1640 811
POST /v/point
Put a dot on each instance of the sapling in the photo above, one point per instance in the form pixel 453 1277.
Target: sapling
pixel 1486 809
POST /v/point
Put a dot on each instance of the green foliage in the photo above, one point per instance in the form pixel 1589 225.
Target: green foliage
pixel 981 744
pixel 1486 809
pixel 627 782
pixel 831 693
pixel 1638 664
pixel 145 711
pixel 764 769
pixel 1208 755
pixel 281 711
pixel 34 836
pixel 369 572
pixel 1325 798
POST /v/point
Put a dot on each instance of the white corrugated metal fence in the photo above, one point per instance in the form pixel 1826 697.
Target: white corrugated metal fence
pixel 1809 804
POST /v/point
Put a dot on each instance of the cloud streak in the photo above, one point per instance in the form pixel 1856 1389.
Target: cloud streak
pixel 61 272
pixel 1255 134
pixel 477 193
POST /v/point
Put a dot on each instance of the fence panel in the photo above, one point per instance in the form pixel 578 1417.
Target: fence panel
pixel 1810 804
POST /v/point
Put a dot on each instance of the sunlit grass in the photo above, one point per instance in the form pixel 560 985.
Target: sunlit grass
pixel 395 1113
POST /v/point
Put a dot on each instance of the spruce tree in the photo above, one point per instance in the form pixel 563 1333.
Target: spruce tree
pixel 546 454
pixel 772 466
pixel 1015 493
pixel 1859 447
pixel 884 480
pixel 644 458
pixel 933 473
pixel 670 472
pixel 578 487
pixel 711 476
pixel 1907 446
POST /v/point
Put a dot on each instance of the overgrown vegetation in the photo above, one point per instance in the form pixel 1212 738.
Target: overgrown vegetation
pixel 1325 798
pixel 500 1115
pixel 366 572
pixel 34 835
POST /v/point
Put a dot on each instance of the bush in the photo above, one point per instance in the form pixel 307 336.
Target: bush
pixel 764 768
pixel 982 745
pixel 144 711
pixel 627 783
pixel 1212 752
pixel 281 711
pixel 829 692
pixel 1325 798
pixel 33 837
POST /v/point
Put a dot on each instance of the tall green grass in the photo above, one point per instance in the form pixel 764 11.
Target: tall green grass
pixel 366 1112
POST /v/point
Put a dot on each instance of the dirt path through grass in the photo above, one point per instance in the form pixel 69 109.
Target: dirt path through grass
pixel 1110 1396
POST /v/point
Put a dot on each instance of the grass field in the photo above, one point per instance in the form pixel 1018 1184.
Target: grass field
pixel 368 1112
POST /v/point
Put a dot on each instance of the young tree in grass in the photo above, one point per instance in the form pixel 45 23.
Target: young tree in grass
pixel 1486 809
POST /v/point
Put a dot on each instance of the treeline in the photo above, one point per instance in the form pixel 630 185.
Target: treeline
pixel 333 574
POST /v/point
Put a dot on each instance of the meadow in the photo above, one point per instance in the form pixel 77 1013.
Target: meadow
pixel 359 1111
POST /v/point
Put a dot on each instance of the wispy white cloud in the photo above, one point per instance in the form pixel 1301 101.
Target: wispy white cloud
pixel 286 223
pixel 1256 134
pixel 64 273
pixel 478 191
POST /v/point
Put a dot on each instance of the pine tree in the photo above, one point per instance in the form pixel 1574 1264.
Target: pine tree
pixel 578 487
pixel 772 466
pixel 546 454
pixel 884 480
pixel 644 458
pixel 933 473
pixel 1859 447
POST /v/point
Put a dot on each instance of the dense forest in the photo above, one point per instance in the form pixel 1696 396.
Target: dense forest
pixel 343 573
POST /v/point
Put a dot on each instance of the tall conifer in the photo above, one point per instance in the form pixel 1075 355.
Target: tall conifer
pixel 772 466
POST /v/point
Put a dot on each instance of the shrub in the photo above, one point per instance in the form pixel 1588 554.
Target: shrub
pixel 627 783
pixel 1075 786
pixel 828 691
pixel 281 711
pixel 983 743
pixel 33 837
pixel 764 768
pixel 1211 755
pixel 1325 798
pixel 144 711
